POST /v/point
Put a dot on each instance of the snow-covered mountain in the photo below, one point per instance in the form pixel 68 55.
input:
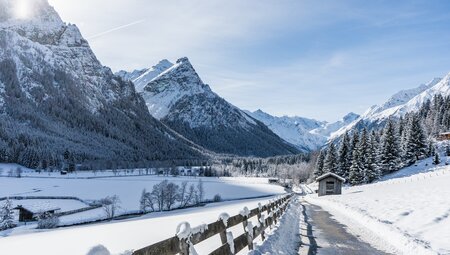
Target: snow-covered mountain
pixel 400 103
pixel 141 78
pixel 306 134
pixel 180 99
pixel 56 96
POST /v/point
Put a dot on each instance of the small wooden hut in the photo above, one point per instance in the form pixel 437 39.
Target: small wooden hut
pixel 443 136
pixel 330 184
pixel 30 213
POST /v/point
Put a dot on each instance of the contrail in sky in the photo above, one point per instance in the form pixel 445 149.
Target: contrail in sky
pixel 115 29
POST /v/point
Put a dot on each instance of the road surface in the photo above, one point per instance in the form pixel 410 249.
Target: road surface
pixel 322 235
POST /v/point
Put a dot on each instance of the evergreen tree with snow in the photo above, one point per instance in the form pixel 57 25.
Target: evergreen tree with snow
pixel 318 171
pixel 416 147
pixel 372 171
pixel 331 160
pixel 389 149
pixel 436 158
pixel 6 215
pixel 344 156
pixel 356 174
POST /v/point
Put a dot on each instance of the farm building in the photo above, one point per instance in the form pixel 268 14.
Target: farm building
pixel 330 184
pixel 29 213
pixel 443 136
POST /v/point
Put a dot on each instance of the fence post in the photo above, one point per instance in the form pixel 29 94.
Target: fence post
pixel 261 222
pixel 184 247
pixel 249 234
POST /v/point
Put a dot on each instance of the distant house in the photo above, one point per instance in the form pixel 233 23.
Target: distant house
pixel 30 213
pixel 273 180
pixel 330 184
pixel 443 136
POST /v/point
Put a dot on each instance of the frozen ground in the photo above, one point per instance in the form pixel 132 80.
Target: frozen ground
pixel 120 236
pixel 129 189
pixel 410 213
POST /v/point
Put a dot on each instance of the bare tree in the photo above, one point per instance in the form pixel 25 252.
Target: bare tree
pixel 158 194
pixel 147 203
pixel 172 195
pixel 200 192
pixel 110 205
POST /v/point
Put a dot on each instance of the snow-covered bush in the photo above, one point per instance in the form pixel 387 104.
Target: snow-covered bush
pixel 6 216
pixel 47 221
pixel 217 198
pixel 98 250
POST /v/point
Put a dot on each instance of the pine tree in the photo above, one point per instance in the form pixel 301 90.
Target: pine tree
pixel 318 171
pixel 415 147
pixel 344 156
pixel 372 172
pixel 389 151
pixel 6 216
pixel 356 175
pixel 436 159
pixel 331 160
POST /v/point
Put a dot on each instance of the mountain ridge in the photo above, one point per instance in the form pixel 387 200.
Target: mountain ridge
pixel 179 98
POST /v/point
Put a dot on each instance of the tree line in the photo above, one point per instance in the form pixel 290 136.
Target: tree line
pixel 363 156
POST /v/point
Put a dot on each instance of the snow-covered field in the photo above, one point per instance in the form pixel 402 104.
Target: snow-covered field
pixel 90 186
pixel 129 188
pixel 410 213
pixel 120 236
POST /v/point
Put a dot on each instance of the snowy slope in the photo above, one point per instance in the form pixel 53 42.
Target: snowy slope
pixel 401 103
pixel 141 78
pixel 306 134
pixel 411 213
pixel 179 98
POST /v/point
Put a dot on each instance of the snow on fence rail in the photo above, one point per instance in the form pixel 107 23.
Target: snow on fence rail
pixel 186 237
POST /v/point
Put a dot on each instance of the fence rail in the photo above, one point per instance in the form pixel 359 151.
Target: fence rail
pixel 181 245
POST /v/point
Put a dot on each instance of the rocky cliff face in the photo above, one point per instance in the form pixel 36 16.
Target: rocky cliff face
pixel 56 96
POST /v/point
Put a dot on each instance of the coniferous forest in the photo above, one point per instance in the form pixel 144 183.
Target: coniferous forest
pixel 364 154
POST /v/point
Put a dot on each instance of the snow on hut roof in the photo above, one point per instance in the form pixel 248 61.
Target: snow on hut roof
pixel 323 176
pixel 38 207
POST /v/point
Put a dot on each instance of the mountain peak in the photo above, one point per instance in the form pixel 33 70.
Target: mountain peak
pixel 351 116
pixel 36 13
pixel 183 60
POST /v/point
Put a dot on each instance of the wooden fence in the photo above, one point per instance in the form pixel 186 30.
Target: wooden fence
pixel 176 245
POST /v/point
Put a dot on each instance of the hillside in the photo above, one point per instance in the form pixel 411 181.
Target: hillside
pixel 179 98
pixel 55 96
pixel 401 103
pixel 407 209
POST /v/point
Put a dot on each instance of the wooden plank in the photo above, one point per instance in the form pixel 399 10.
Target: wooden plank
pixel 222 250
pixel 166 247
pixel 240 242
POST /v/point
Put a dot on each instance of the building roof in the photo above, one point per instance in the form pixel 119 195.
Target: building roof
pixel 38 208
pixel 323 176
pixel 445 133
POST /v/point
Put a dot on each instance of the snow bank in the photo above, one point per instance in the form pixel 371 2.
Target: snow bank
pixel 410 213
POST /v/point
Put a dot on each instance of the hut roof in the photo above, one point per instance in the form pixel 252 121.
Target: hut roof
pixel 38 208
pixel 323 176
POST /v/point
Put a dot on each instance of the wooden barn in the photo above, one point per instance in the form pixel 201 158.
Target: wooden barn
pixel 443 136
pixel 30 213
pixel 330 184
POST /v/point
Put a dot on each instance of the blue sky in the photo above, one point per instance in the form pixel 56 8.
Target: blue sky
pixel 317 59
